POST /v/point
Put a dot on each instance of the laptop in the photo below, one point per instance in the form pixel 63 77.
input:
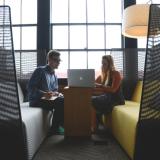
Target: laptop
pixel 81 77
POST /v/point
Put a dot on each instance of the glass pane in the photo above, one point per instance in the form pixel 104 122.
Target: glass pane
pixel 77 37
pixel 62 69
pixel 17 63
pixel 77 11
pixel 142 1
pixel 118 60
pixel 28 63
pixel 29 11
pixel 141 62
pixel 95 11
pixel 113 13
pixel 29 38
pixel 16 37
pixel 142 42
pixel 59 11
pixel 15 10
pixel 113 36
pixel 155 1
pixel 78 60
pixel 95 57
pixel 1 3
pixel 96 37
pixel 60 37
pixel 147 1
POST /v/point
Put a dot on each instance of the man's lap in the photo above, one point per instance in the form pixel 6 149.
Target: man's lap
pixel 49 104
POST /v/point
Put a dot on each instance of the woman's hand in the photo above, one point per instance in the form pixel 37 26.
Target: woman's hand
pixel 98 85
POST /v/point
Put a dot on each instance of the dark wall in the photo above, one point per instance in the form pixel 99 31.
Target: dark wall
pixel 130 61
pixel 43 30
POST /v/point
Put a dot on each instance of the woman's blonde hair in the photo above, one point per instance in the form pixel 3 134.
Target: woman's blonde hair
pixel 111 67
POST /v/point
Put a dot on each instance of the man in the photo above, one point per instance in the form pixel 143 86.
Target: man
pixel 43 85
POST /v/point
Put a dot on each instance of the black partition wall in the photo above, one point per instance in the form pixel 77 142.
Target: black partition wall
pixel 148 128
pixel 11 133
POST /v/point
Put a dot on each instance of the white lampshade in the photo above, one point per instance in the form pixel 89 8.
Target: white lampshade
pixel 135 21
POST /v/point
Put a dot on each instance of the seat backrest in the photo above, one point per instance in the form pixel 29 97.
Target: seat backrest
pixel 136 97
pixel 20 93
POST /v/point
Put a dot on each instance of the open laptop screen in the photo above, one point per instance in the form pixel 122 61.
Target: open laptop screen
pixel 81 77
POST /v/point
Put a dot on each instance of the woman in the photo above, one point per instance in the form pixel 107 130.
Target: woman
pixel 107 92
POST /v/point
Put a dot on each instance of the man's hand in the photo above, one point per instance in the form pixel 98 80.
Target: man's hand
pixel 55 93
pixel 48 95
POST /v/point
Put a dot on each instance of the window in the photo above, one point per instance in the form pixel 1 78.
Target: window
pixel 29 38
pixel 141 62
pixel 112 8
pixel 26 62
pixel 147 1
pixel 95 11
pixel 118 56
pixel 24 26
pixel 85 30
pixel 80 15
pixel 15 10
pixel 96 36
pixel 60 37
pixel 59 12
pixel 142 42
pixel 29 11
pixel 94 58
pixel 77 37
pixel 81 30
pixel 113 36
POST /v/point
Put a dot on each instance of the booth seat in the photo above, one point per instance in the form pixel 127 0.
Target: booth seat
pixel 36 124
pixel 123 121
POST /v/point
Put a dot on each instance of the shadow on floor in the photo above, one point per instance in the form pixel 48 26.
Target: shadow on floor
pixel 100 145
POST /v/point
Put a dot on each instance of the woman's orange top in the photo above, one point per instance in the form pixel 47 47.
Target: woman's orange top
pixel 116 82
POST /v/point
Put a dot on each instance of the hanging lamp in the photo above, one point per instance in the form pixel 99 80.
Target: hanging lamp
pixel 135 21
